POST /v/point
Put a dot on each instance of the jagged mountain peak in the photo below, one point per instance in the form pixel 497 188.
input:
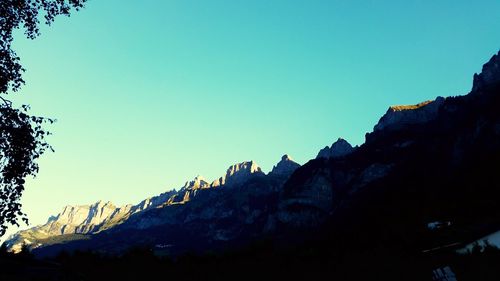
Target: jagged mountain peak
pixel 249 166
pixel 243 168
pixel 197 182
pixel 285 167
pixel 75 208
pixel 340 143
pixel 339 148
pixel 489 75
pixel 238 173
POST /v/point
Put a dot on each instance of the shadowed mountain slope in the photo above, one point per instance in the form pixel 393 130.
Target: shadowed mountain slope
pixel 425 164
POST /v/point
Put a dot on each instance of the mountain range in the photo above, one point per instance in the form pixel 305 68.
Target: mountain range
pixel 425 165
pixel 198 200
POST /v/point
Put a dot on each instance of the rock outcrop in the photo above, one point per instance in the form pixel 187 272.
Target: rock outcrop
pixel 238 173
pixel 84 220
pixel 197 183
pixel 401 116
pixel 188 191
pixel 152 202
pixel 489 75
pixel 338 149
pixel 285 167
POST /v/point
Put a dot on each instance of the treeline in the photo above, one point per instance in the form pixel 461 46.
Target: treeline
pixel 260 261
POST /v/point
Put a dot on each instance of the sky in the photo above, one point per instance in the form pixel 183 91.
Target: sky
pixel 148 94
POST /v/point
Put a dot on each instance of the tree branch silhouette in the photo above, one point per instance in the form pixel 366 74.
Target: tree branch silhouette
pixel 22 136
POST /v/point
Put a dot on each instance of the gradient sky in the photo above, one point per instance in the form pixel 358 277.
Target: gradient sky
pixel 149 94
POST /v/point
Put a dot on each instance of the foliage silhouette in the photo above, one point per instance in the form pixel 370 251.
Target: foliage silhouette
pixel 22 137
pixel 262 260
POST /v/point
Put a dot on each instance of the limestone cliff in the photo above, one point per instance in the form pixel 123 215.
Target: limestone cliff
pixel 82 219
pixel 238 173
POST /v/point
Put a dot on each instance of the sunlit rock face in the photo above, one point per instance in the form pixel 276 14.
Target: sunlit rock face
pixel 401 116
pixel 196 205
pixel 189 191
pixel 82 219
pixel 238 173
pixel 72 220
pixel 151 202
pixel 238 206
pixel 197 183
pixel 339 148
pixel 489 75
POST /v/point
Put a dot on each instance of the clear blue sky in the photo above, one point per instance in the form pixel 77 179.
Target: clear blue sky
pixel 148 94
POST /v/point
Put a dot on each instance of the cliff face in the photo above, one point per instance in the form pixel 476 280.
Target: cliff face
pixel 83 219
pixel 490 74
pixel 238 173
pixel 398 117
pixel 435 161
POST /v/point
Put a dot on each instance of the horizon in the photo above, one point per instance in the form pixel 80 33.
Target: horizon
pixel 140 113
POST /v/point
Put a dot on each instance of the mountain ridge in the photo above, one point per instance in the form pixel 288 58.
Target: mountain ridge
pixel 93 218
pixel 434 161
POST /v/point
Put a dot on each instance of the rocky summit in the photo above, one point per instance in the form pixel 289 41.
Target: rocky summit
pixel 490 74
pixel 339 148
pixel 285 167
pixel 238 173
